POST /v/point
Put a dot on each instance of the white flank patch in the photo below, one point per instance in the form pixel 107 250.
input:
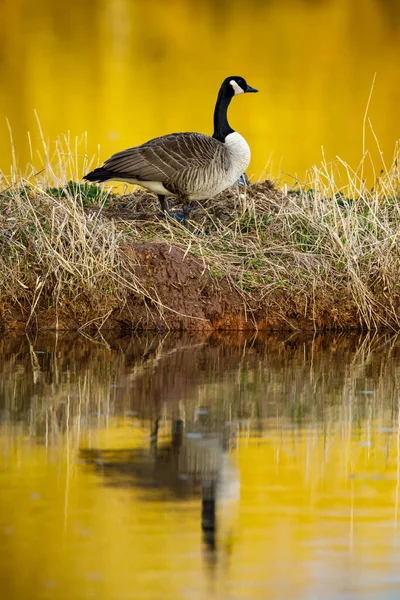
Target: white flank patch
pixel 153 186
pixel 236 87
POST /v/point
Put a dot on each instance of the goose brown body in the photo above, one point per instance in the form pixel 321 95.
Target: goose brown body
pixel 190 165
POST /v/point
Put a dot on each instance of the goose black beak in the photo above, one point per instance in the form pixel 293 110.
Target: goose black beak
pixel 250 89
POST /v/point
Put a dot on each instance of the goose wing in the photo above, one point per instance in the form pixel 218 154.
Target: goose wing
pixel 162 158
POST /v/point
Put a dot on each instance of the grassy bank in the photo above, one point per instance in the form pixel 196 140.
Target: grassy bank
pixel 323 254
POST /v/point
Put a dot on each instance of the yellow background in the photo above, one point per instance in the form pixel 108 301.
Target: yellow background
pixel 127 70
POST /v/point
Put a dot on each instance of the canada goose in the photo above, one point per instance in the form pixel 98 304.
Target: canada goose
pixel 192 166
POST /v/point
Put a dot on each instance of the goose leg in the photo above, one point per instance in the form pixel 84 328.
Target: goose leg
pixel 164 203
pixel 208 517
pixel 186 211
pixel 243 180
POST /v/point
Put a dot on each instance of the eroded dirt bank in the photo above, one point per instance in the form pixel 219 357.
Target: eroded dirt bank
pixel 182 294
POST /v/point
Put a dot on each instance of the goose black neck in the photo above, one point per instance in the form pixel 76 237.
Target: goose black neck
pixel 221 125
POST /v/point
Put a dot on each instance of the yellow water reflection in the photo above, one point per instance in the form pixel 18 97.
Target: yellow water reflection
pixel 91 507
pixel 316 510
pixel 125 71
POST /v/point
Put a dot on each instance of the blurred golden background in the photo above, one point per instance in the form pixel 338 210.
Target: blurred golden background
pixel 127 70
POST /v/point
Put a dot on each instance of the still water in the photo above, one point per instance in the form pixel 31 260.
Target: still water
pixel 200 467
pixel 125 71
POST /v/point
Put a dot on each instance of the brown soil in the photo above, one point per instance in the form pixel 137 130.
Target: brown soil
pixel 182 296
pixel 187 294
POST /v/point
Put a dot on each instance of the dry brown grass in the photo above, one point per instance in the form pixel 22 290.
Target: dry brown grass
pixel 322 254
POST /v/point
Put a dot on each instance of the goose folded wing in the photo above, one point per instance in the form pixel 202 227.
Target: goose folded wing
pixel 162 158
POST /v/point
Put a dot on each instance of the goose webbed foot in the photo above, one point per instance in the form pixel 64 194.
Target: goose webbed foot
pixel 176 216
pixel 181 217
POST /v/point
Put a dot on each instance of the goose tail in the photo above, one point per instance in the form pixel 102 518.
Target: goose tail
pixel 100 174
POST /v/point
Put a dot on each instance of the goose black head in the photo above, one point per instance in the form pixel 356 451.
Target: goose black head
pixel 231 86
pixel 238 85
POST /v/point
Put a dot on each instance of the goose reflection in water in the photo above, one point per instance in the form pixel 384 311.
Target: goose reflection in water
pixel 195 462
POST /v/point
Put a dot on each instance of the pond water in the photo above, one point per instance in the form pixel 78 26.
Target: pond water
pixel 232 467
pixel 125 71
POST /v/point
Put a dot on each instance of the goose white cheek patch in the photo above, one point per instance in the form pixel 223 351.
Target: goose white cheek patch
pixel 236 87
